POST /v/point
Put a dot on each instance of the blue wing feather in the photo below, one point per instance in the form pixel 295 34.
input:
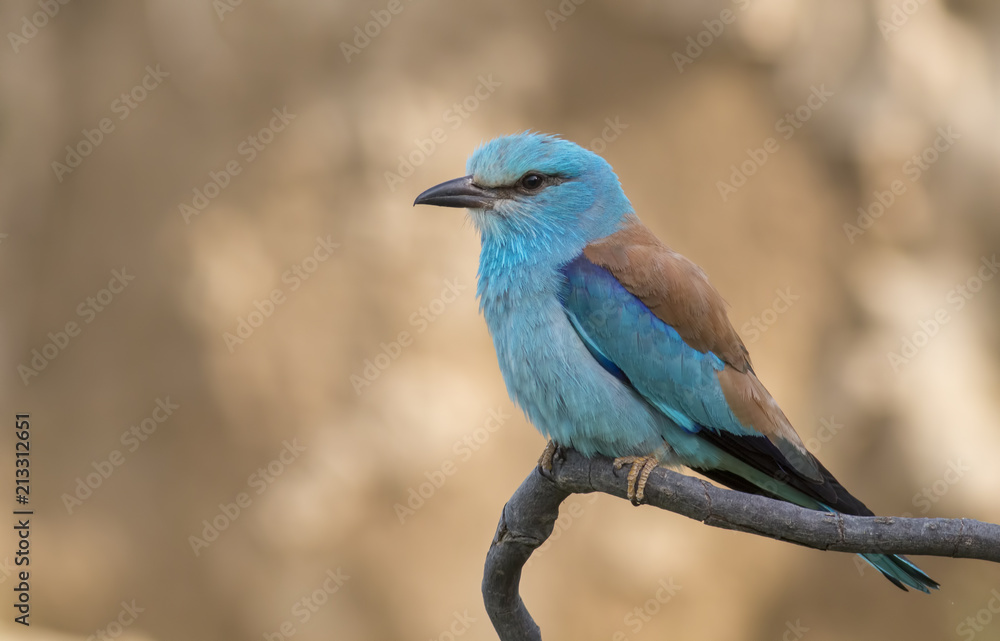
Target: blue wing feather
pixel 596 352
pixel 631 343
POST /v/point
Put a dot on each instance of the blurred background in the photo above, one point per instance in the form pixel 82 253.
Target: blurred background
pixel 263 402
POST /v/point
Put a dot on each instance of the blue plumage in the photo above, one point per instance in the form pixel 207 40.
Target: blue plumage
pixel 613 344
pixel 677 379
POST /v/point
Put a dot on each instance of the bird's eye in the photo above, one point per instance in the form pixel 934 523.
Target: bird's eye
pixel 532 181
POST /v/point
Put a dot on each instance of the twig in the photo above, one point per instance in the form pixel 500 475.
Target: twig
pixel 528 518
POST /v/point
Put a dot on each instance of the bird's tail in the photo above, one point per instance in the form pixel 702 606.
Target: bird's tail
pixel 827 495
pixel 901 572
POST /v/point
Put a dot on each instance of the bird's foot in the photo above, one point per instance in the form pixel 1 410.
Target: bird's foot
pixel 638 474
pixel 550 453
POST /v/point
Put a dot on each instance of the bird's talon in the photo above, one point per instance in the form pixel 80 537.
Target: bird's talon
pixel 638 475
pixel 647 469
pixel 548 455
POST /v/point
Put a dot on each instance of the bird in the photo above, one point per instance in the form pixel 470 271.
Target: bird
pixel 614 344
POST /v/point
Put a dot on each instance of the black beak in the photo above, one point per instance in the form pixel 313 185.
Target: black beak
pixel 460 192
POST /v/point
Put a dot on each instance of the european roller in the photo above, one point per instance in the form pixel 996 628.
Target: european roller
pixel 612 343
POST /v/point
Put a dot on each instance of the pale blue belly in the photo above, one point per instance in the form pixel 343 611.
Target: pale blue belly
pixel 565 393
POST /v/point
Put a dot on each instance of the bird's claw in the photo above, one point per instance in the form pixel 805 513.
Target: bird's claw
pixel 638 474
pixel 549 454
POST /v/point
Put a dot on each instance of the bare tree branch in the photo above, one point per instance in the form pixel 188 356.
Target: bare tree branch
pixel 528 518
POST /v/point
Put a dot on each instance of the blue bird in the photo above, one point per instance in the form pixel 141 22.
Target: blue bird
pixel 614 344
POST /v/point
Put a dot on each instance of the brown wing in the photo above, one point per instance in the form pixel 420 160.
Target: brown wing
pixel 678 292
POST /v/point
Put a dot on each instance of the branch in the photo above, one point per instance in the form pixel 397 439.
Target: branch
pixel 529 516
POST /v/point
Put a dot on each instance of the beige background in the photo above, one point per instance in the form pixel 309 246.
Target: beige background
pixel 889 431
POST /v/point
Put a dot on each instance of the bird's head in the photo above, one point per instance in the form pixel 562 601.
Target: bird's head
pixel 534 192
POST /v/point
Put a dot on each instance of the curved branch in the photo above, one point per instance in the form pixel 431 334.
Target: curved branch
pixel 528 518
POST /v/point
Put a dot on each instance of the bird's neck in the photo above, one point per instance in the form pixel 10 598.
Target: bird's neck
pixel 521 268
pixel 514 276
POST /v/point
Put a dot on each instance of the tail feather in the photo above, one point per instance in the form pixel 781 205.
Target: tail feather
pixel 901 572
pixel 752 473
